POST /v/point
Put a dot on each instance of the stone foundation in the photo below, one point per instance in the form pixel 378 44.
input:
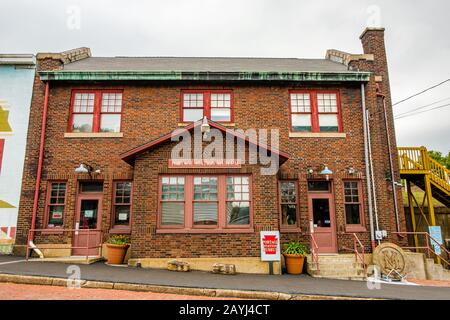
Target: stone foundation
pixel 243 265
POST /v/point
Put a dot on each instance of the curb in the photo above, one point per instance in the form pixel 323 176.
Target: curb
pixel 222 293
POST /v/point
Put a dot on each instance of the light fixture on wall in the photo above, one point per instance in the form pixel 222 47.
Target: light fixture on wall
pixel 205 128
pixel 326 172
pixel 83 168
pixel 205 125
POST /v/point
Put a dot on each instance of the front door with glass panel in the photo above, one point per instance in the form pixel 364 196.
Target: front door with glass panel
pixel 321 211
pixel 87 236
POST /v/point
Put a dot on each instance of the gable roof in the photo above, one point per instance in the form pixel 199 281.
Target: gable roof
pixel 130 155
pixel 205 64
pixel 83 67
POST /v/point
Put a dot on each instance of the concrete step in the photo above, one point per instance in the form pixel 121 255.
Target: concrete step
pixel 342 266
pixel 436 271
pixel 353 278
pixel 337 267
pixel 338 275
pixel 337 260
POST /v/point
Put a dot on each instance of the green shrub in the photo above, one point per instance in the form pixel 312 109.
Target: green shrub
pixel 119 240
pixel 295 248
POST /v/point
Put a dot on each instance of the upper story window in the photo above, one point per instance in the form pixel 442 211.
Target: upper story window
pixel 96 111
pixel 216 105
pixel 315 111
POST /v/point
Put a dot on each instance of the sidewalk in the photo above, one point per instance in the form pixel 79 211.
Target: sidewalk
pixel 301 285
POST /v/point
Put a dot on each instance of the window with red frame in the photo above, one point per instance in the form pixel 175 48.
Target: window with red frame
pixel 96 111
pixel 315 111
pixel 172 201
pixel 238 201
pixel 214 105
pixel 122 203
pixel 288 204
pixel 56 201
pixel 205 202
pixel 352 202
pixel 2 147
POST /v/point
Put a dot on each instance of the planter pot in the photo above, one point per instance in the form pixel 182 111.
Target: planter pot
pixel 294 263
pixel 116 253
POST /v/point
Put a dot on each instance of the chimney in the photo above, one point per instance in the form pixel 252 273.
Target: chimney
pixel 56 61
pixel 372 40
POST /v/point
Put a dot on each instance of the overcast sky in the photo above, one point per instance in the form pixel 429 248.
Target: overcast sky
pixel 417 36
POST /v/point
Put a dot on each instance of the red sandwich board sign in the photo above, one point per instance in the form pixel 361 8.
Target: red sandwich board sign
pixel 270 245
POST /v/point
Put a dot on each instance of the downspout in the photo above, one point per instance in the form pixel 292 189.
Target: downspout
pixel 372 175
pixel 366 160
pixel 391 164
pixel 40 161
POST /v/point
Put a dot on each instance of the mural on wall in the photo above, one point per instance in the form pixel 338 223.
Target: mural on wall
pixel 16 84
pixel 6 232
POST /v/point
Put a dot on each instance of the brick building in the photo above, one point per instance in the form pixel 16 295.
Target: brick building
pixel 101 142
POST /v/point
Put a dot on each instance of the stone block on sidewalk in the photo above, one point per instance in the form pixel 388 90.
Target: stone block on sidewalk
pixel 180 266
pixel 222 268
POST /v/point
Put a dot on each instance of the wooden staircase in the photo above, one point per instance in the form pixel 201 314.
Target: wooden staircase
pixel 418 167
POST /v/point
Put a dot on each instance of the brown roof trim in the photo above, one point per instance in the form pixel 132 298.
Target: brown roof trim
pixel 131 155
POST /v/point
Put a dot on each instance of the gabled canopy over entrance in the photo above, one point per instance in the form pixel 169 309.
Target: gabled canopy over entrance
pixel 132 154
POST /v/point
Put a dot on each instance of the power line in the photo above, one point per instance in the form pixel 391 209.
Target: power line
pixel 428 105
pixel 421 92
pixel 413 114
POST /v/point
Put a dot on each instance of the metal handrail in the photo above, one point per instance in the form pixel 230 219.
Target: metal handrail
pixel 428 248
pixel 62 230
pixel 314 251
pixel 359 255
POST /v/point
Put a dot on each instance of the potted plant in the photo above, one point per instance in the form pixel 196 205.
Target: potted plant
pixel 117 248
pixel 294 255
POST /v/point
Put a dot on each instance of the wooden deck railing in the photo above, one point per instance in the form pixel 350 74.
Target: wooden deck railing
pixel 412 159
pixel 440 174
pixel 417 161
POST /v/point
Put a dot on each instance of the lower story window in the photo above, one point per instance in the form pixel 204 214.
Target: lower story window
pixel 288 204
pixel 238 201
pixel 56 204
pixel 352 200
pixel 172 201
pixel 205 202
pixel 122 203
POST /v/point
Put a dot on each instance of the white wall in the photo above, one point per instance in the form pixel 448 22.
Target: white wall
pixel 16 85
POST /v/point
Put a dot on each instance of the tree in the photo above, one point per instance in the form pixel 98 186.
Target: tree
pixel 444 160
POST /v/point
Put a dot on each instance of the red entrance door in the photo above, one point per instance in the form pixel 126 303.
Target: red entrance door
pixel 321 211
pixel 87 237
